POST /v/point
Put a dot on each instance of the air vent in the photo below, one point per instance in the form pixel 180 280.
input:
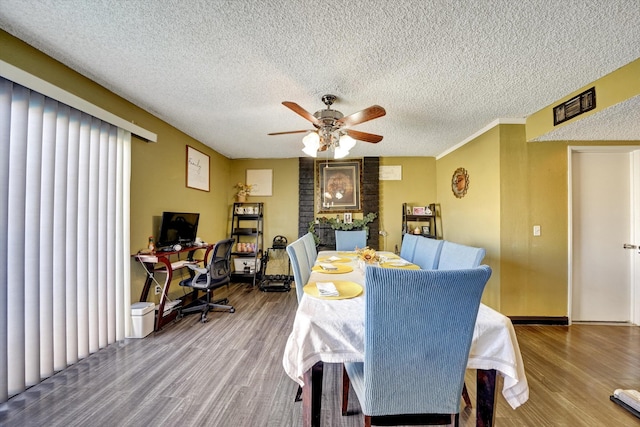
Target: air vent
pixel 575 106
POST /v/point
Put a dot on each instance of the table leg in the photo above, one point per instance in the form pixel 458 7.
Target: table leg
pixel 312 396
pixel 485 405
pixel 161 319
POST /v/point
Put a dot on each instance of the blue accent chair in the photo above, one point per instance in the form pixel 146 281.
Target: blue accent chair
pixel 408 247
pixel 299 264
pixel 350 240
pixel 310 246
pixel 427 253
pixel 454 256
pixel 418 330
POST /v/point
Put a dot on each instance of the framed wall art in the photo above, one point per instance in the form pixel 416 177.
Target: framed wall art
pixel 261 181
pixel 460 182
pixel 338 186
pixel 418 210
pixel 197 169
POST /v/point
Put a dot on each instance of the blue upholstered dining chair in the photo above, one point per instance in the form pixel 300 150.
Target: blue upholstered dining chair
pixel 417 335
pixel 310 246
pixel 427 253
pixel 299 255
pixel 299 264
pixel 454 256
pixel 349 240
pixel 408 247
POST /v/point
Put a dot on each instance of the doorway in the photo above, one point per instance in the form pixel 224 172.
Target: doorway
pixel 603 218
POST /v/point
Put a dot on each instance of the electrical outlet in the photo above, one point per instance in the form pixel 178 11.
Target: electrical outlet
pixel 536 230
pixel 158 289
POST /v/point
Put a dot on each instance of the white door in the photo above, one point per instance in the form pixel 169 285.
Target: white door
pixel 601 287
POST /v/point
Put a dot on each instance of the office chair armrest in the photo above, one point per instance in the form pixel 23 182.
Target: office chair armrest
pixel 195 267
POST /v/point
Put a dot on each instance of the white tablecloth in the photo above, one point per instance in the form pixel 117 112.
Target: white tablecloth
pixel 332 331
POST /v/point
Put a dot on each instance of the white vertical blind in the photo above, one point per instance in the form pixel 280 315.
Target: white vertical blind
pixel 64 236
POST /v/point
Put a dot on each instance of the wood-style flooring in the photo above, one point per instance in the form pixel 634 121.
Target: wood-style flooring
pixel 228 372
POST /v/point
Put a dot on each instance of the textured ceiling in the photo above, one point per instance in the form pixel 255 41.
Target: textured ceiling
pixel 219 70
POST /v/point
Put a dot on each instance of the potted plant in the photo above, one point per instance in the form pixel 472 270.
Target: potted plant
pixel 243 191
pixel 356 224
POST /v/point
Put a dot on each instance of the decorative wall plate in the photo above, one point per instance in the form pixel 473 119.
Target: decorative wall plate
pixel 460 183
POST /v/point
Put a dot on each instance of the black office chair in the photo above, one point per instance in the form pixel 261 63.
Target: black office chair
pixel 214 275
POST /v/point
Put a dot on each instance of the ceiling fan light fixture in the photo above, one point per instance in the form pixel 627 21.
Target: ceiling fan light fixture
pixel 310 152
pixel 311 141
pixel 347 143
pixel 331 125
pixel 311 144
pixel 340 153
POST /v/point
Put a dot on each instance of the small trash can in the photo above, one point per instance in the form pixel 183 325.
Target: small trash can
pixel 142 316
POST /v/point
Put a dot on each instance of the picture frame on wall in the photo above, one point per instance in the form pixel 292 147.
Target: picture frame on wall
pixel 338 186
pixel 197 169
pixel 261 181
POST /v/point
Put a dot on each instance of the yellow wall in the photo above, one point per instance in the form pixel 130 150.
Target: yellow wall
pixel 475 218
pixel 617 86
pixel 533 192
pixel 512 186
pixel 280 209
pixel 417 188
pixel 157 169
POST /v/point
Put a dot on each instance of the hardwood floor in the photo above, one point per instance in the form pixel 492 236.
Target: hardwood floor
pixel 228 372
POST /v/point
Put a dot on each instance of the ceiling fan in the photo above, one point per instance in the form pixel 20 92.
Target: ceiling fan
pixel 331 126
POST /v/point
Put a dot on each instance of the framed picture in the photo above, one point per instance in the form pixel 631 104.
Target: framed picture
pixel 418 210
pixel 338 185
pixel 197 169
pixel 261 181
pixel 348 219
pixel 425 230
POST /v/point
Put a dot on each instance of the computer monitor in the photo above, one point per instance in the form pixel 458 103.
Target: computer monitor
pixel 178 228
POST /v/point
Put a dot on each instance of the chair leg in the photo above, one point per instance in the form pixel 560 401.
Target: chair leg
pixel 221 303
pixel 465 396
pixel 298 394
pixel 345 391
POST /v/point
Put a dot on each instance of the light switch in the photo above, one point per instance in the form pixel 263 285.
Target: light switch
pixel 536 230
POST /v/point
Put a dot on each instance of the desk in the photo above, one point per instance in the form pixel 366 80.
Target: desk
pixel 332 331
pixel 159 262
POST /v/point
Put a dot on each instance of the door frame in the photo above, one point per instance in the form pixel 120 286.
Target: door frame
pixel 634 170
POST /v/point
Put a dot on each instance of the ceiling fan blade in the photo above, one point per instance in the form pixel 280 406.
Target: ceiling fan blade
pixel 301 111
pixel 365 115
pixel 364 136
pixel 291 131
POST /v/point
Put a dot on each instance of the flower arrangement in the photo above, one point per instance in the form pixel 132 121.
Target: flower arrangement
pixel 368 255
pixel 243 190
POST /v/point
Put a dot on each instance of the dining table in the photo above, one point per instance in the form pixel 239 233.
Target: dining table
pixel 330 329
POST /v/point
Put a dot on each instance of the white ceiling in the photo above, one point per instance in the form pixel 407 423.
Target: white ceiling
pixel 219 70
